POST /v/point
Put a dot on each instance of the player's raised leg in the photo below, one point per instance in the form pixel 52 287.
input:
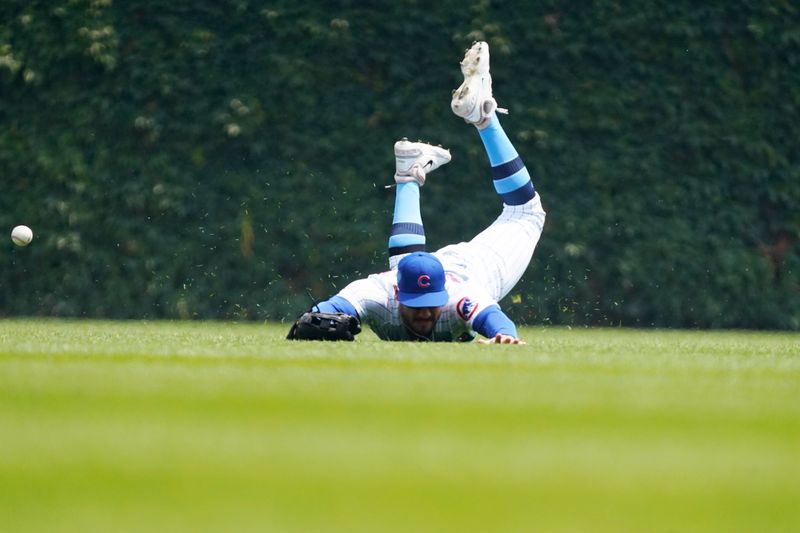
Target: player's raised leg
pixel 414 160
pixel 507 245
pixel 473 101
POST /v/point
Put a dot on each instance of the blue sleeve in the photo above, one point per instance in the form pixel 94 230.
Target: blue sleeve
pixel 336 304
pixel 492 321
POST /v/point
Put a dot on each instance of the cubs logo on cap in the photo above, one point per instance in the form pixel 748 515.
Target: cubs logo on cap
pixel 420 281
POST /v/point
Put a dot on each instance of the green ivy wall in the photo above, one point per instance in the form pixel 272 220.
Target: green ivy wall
pixel 227 159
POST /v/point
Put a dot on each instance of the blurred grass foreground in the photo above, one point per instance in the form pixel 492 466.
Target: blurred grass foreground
pixel 136 426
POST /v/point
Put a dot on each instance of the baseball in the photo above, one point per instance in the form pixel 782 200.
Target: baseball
pixel 22 235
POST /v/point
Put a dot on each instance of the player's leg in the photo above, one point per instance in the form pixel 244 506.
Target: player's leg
pixel 414 160
pixel 508 243
pixel 503 251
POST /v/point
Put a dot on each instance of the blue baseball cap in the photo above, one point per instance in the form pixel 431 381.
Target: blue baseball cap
pixel 420 281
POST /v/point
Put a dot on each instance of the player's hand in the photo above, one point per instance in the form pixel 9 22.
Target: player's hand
pixel 500 338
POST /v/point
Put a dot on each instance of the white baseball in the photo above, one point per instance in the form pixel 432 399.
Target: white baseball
pixel 22 235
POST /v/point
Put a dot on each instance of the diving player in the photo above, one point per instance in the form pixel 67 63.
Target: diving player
pixel 452 294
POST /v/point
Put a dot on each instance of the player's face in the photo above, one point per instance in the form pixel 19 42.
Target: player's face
pixel 420 320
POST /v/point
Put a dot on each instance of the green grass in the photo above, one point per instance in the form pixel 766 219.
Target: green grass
pixel 129 426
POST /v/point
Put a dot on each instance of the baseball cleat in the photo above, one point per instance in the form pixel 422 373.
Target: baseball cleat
pixel 473 99
pixel 414 160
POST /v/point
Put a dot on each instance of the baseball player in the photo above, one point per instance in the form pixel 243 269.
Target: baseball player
pixel 451 294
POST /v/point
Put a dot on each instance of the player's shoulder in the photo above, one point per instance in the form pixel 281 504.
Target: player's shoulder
pixel 468 299
pixel 466 307
pixel 378 287
pixel 387 277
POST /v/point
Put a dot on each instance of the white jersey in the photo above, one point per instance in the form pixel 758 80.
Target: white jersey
pixel 478 274
pixel 375 300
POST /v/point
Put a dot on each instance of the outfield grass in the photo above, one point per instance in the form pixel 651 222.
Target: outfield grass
pixel 129 426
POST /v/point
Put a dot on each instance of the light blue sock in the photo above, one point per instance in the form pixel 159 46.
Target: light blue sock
pixel 511 179
pixel 408 234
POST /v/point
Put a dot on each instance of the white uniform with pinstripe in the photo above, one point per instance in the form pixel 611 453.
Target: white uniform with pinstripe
pixel 479 273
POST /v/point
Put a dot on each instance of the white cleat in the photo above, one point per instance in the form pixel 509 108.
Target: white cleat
pixel 414 160
pixel 473 99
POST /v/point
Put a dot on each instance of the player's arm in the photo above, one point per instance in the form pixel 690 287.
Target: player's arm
pixel 336 304
pixel 340 317
pixel 493 324
pixel 363 298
